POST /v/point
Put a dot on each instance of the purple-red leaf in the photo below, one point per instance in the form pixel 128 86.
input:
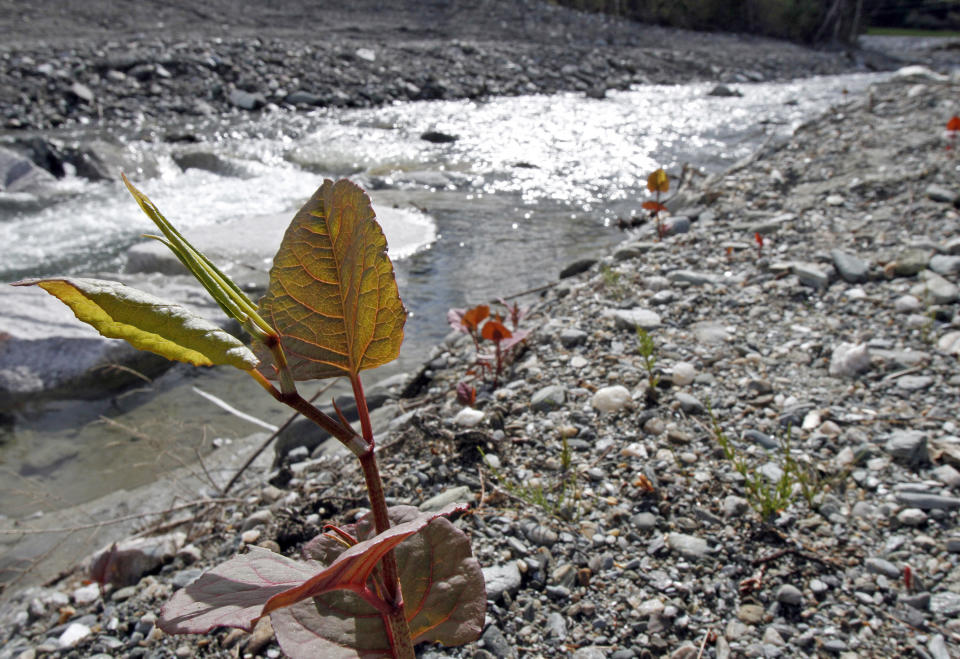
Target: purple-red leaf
pixel 443 591
pixel 441 582
pixel 233 593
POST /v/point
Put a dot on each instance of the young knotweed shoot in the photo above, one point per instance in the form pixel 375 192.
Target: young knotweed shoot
pixel 505 341
pixel 658 183
pixel 953 128
pixel 398 576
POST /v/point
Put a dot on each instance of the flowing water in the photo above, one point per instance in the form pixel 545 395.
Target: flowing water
pixel 530 185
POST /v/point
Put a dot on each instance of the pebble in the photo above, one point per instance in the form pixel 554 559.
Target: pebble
pixel 611 399
pixel 882 566
pixel 690 404
pixel 687 545
pixel 457 494
pixel 631 319
pixel 549 398
pixel 849 360
pixel 850 267
pixel 912 517
pixel 501 579
pixel 683 373
pixel 789 594
pixel 468 417
pixel 909 447
pixel 73 634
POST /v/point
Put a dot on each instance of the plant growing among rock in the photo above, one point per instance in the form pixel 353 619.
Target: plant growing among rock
pixel 481 326
pixel 371 589
pixel 658 182
pixel 769 497
pixel 648 353
pixel 953 127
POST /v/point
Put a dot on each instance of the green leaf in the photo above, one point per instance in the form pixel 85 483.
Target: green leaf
pixel 333 296
pixel 147 322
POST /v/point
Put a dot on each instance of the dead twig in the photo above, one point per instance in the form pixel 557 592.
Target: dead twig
pixel 269 440
pixel 118 520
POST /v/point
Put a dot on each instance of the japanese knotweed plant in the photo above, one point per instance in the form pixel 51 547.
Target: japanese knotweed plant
pixel 371 589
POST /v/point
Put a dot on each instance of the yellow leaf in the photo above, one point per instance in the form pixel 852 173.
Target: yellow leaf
pixel 658 181
pixel 333 296
pixel 147 322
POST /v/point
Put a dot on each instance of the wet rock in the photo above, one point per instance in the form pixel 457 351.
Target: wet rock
pixel 723 91
pixel 19 174
pixel 302 97
pixel 436 137
pixel 246 100
pixel 577 267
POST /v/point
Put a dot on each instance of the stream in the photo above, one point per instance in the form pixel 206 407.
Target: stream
pixel 529 185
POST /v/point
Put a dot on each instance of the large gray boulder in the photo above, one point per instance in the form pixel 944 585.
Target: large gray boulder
pixel 46 352
pixel 19 174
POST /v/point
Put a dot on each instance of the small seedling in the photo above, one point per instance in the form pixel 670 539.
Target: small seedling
pixel 332 309
pixel 612 285
pixel 505 342
pixel 648 353
pixel 560 499
pixel 953 127
pixel 766 497
pixel 658 183
pixel 758 238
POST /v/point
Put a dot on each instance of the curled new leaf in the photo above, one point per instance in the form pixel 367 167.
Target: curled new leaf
pixel 658 181
pixel 147 322
pixel 333 296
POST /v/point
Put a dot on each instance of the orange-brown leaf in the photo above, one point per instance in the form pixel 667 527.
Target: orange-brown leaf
pixel 954 123
pixel 473 317
pixel 654 206
pixel 658 181
pixel 333 296
pixel 495 331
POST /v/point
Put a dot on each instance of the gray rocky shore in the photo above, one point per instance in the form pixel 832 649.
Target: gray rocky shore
pixel 803 313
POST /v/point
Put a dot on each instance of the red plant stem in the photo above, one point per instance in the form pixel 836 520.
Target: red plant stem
pixel 396 621
pixel 347 436
pixel 496 378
